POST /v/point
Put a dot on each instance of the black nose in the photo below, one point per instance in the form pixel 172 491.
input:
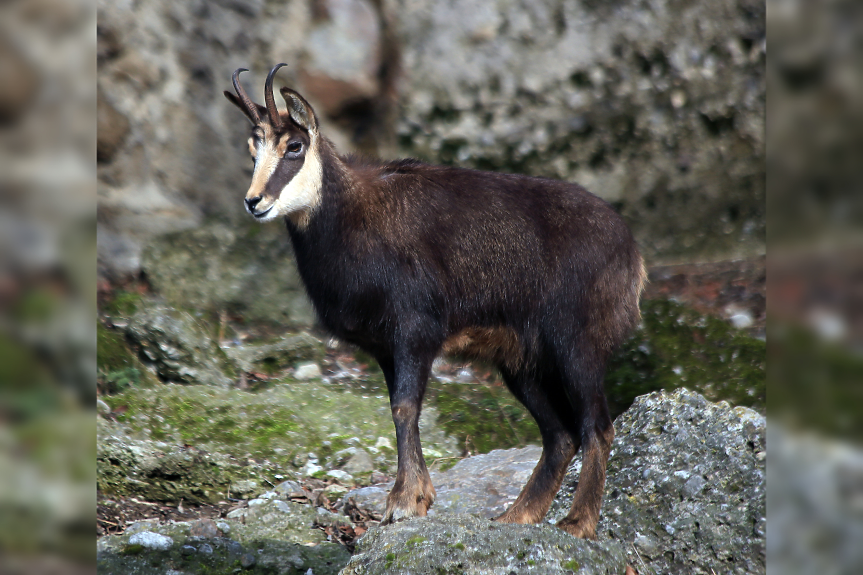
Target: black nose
pixel 252 202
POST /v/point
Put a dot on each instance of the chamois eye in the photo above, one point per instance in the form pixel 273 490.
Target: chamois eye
pixel 295 147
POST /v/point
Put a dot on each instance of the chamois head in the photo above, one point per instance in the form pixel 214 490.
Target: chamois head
pixel 285 147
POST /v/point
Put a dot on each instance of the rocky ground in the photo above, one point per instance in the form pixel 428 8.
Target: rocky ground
pixel 686 493
pixel 275 453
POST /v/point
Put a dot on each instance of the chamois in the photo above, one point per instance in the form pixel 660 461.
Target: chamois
pixel 408 260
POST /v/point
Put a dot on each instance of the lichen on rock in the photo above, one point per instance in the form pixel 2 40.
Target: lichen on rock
pixel 686 487
pixel 462 543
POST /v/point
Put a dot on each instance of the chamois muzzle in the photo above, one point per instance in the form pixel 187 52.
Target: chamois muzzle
pixel 247 102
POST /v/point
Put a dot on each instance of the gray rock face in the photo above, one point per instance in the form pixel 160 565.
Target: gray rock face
pixel 173 548
pixel 597 93
pixel 178 347
pixel 275 356
pixel 158 471
pixel 587 91
pixel 248 270
pixel 484 485
pixel 344 55
pixel 686 486
pixel 359 462
pixel 470 545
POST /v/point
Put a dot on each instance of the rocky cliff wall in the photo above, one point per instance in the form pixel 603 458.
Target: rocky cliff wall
pixel 659 107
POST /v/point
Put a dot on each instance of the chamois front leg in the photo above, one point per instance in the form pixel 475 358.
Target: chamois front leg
pixel 413 492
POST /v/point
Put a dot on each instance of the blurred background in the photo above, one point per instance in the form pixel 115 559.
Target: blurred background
pixel 815 333
pixel 660 109
pixel 47 286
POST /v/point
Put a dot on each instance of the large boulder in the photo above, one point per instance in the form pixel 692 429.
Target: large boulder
pixel 178 346
pixel 244 270
pixel 471 545
pixel 199 442
pixel 657 107
pixel 224 547
pixel 165 471
pixel 686 487
pixel 484 485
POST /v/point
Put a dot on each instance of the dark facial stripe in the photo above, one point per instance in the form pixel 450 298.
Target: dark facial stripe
pixel 285 172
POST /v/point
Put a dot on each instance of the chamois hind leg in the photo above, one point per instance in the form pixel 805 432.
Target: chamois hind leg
pixel 583 373
pixel 413 492
pixel 547 403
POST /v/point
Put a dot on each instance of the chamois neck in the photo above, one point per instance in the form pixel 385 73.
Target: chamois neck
pixel 335 179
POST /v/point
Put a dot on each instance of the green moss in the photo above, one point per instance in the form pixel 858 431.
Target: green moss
pixel 414 541
pixel 678 347
pixel 133 549
pixel 111 351
pixel 572 565
pixel 118 368
pixel 275 424
pixel 390 558
pixel 459 546
pixel 531 562
pixel 484 417
pixel 123 304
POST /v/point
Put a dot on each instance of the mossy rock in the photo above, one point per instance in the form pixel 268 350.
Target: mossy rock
pixel 282 425
pixel 118 367
pixel 675 347
pixel 224 555
pixel 276 356
pixel 122 304
pixel 248 271
pixel 178 346
pixel 456 543
pixel 156 471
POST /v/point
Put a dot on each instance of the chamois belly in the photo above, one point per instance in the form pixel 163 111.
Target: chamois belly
pixel 499 344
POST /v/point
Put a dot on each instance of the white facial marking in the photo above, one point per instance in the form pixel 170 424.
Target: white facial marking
pixel 302 193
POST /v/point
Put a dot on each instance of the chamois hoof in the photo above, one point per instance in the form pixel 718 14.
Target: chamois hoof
pixel 512 515
pixel 407 503
pixel 578 528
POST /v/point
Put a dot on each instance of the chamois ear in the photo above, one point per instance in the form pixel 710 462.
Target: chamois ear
pixel 239 103
pixel 301 111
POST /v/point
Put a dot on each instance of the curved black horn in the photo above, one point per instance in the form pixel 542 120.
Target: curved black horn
pixel 270 99
pixel 247 102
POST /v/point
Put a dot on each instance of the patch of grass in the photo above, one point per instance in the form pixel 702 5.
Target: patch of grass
pixel 572 565
pixel 414 541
